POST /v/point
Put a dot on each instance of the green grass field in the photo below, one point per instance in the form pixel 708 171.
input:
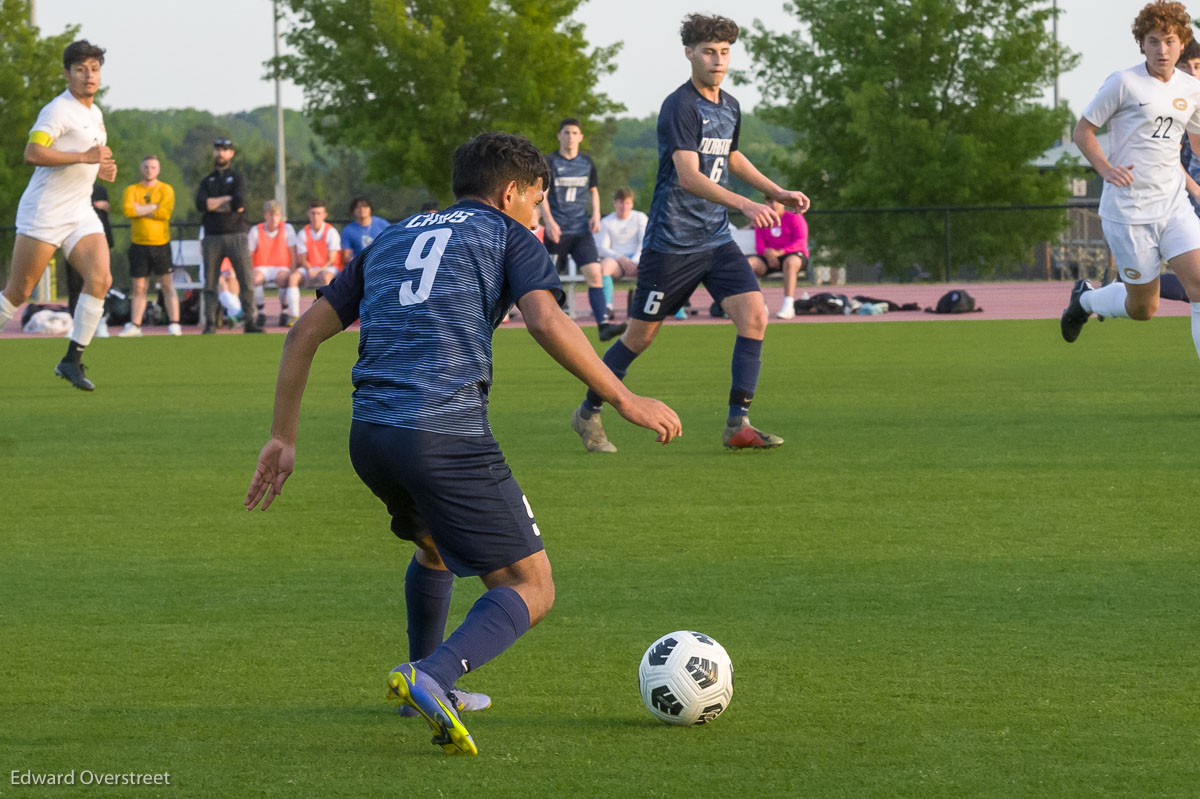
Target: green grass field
pixel 973 570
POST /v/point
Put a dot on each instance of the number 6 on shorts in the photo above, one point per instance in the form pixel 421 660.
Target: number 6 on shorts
pixel 653 302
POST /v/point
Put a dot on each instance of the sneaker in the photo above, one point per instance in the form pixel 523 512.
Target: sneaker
pixel 102 329
pixel 174 329
pixel 464 701
pixel 608 330
pixel 591 432
pixel 743 436
pixel 72 371
pixel 292 321
pixel 787 312
pixel 681 313
pixel 1073 316
pixel 418 690
pixel 228 320
pixel 260 320
pixel 130 331
pixel 249 328
pixel 284 320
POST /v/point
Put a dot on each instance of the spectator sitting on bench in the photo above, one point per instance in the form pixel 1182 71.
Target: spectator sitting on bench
pixel 783 248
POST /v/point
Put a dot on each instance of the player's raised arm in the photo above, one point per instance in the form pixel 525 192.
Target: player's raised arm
pixel 748 173
pixel 278 457
pixel 566 343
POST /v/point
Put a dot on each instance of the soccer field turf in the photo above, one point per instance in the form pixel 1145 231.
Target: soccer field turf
pixel 972 570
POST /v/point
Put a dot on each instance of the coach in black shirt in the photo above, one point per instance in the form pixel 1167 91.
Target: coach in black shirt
pixel 222 199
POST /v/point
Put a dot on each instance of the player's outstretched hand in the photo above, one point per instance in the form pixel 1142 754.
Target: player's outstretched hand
pixel 653 415
pixel 275 465
pixel 760 215
pixel 796 200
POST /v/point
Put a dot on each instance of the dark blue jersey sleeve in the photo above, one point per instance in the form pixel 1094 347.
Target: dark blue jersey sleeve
pixel 345 291
pixel 527 265
pixel 593 178
pixel 679 127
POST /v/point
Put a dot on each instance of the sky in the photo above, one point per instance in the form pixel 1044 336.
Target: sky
pixel 209 54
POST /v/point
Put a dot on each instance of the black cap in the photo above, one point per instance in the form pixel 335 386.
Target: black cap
pixel 223 143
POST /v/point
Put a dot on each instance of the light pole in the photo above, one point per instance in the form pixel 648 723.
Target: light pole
pixel 280 171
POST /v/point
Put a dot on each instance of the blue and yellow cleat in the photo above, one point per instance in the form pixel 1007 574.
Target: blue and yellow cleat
pixel 421 692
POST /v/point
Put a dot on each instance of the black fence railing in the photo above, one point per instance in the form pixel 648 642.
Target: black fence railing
pixel 931 243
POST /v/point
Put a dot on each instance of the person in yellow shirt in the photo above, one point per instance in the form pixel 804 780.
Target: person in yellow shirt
pixel 148 204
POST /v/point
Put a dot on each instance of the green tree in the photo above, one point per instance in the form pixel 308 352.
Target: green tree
pixel 31 74
pixel 408 80
pixel 918 103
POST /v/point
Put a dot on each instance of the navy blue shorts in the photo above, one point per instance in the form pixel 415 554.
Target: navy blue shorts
pixel 665 281
pixel 457 490
pixel 580 246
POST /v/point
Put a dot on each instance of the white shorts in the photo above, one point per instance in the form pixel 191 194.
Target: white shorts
pixel 61 234
pixel 269 273
pixel 1139 250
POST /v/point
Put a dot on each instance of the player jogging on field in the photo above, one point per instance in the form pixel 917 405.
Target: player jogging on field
pixel 687 238
pixel 429 292
pixel 67 145
pixel 1144 207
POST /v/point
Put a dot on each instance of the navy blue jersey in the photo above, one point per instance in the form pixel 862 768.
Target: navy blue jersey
pixel 429 291
pixel 570 192
pixel 681 222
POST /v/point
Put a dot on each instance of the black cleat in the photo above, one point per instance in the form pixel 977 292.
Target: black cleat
pixel 249 328
pixel 1074 317
pixel 72 371
pixel 607 330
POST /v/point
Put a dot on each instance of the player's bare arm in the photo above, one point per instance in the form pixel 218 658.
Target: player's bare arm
pixel 748 173
pixel 565 342
pixel 595 225
pixel 687 167
pixel 1085 140
pixel 278 457
pixel 40 155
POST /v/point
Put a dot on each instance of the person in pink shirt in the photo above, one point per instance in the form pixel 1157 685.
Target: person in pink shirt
pixel 783 248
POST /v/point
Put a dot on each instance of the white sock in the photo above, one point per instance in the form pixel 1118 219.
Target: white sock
pixel 293 301
pixel 7 310
pixel 230 302
pixel 260 297
pixel 1108 301
pixel 1196 326
pixel 88 310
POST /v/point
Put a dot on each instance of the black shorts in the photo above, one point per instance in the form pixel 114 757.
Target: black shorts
pixel 149 259
pixel 457 490
pixel 580 246
pixel 779 264
pixel 665 281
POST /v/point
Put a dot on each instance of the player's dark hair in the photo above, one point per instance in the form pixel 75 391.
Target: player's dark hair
pixel 357 201
pixel 569 121
pixel 429 207
pixel 1190 50
pixel 623 194
pixel 1166 16
pixel 80 51
pixel 699 28
pixel 487 163
pixel 316 203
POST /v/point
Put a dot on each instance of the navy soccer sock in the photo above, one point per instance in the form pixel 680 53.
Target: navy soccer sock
pixel 493 624
pixel 618 358
pixel 747 361
pixel 599 306
pixel 427 600
pixel 1169 288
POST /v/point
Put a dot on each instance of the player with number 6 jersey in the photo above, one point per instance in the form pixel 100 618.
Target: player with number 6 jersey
pixel 687 237
pixel 1144 208
pixel 429 291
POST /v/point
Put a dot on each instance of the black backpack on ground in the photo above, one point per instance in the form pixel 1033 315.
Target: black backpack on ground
pixel 956 301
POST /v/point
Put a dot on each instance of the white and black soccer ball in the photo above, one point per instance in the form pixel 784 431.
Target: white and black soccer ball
pixel 686 678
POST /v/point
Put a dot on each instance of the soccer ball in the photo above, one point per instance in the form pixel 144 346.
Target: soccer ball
pixel 686 678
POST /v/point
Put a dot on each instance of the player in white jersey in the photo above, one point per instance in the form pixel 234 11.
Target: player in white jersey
pixel 1144 207
pixel 67 145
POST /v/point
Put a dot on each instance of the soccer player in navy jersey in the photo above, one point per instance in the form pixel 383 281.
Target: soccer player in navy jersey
pixel 688 240
pixel 571 214
pixel 420 437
